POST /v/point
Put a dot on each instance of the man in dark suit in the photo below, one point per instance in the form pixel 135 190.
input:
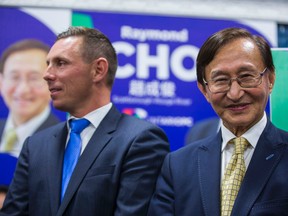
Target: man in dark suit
pixel 120 157
pixel 235 72
pixel 25 93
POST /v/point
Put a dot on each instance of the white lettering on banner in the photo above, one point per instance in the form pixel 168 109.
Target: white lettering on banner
pixel 127 50
pixel 154 88
pixel 177 58
pixel 131 100
pixel 152 101
pixel 177 121
pixel 161 61
pixel 145 61
pixel 128 32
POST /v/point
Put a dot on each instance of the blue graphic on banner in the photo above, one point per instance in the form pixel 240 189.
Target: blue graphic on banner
pixel 156 77
pixel 7 167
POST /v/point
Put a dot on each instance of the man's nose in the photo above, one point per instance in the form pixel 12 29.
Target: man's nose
pixel 235 91
pixel 48 74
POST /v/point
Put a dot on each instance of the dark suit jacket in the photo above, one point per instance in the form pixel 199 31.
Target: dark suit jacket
pixel 189 183
pixel 115 175
pixel 202 129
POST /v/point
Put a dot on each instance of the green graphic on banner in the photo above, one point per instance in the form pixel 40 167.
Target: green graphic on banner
pixel 279 96
pixel 82 20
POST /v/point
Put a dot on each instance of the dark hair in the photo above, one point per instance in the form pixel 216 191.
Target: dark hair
pixel 219 39
pixel 95 45
pixel 22 45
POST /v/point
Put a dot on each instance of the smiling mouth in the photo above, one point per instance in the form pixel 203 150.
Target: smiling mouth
pixel 238 107
pixel 52 90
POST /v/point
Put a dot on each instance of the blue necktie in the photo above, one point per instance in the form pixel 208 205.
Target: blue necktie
pixel 72 151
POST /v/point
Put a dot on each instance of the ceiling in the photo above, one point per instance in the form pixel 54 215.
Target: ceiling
pixel 275 10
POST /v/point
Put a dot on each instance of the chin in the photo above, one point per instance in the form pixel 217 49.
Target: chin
pixel 60 107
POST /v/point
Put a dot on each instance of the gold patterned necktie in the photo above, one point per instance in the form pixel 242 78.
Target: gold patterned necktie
pixel 233 176
pixel 10 139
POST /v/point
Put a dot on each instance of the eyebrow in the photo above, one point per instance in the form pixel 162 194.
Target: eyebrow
pixel 218 72
pixel 56 59
pixel 239 70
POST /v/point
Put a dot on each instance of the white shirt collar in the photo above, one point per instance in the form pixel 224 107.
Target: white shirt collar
pixel 95 117
pixel 252 135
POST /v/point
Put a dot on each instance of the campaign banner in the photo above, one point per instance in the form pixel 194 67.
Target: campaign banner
pixel 279 96
pixel 156 78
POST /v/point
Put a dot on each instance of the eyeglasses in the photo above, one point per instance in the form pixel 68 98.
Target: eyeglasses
pixel 222 83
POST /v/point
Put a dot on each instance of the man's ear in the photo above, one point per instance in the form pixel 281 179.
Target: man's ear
pixel 271 81
pixel 100 69
pixel 204 91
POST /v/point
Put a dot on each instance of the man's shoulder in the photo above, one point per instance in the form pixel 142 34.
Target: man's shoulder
pixel 51 120
pixel 56 128
pixel 132 127
pixel 189 151
pixel 276 134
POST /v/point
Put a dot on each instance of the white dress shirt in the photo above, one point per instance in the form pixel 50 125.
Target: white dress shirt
pixel 95 117
pixel 252 135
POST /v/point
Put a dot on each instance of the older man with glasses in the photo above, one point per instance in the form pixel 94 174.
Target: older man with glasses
pixel 241 170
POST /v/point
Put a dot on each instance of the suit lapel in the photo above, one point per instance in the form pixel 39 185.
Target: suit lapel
pixel 99 140
pixel 55 152
pixel 209 170
pixel 265 159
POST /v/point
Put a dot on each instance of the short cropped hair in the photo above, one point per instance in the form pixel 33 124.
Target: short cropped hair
pixel 95 45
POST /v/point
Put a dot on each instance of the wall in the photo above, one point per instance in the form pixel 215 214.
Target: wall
pixel 274 10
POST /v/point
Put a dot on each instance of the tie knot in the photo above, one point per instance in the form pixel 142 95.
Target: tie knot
pixel 240 145
pixel 78 125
